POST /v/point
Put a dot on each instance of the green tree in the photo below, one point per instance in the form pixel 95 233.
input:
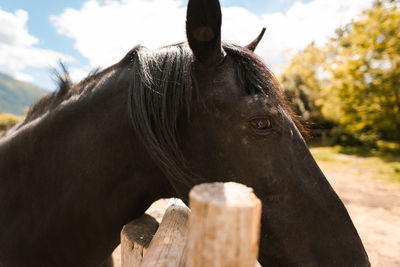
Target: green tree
pixel 364 60
pixel 302 82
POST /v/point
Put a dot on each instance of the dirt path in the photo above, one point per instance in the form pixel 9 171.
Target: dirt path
pixel 374 207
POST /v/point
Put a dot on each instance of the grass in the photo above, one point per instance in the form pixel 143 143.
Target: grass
pixel 380 164
pixel 388 151
pixel 8 120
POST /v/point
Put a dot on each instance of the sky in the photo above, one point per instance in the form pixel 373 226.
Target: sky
pixel 87 34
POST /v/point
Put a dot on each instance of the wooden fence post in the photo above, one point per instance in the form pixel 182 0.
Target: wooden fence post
pixel 135 239
pixel 224 226
pixel 168 247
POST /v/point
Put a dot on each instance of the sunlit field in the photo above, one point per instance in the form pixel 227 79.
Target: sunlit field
pixel 353 162
pixel 368 182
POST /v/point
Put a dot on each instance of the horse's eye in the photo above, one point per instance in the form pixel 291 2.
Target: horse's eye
pixel 261 124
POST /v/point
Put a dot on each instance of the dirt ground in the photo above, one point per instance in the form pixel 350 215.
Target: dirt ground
pixel 373 204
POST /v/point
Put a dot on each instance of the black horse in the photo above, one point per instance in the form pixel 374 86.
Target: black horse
pixel 93 156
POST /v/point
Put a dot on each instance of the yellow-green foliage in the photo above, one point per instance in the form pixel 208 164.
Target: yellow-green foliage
pixel 302 84
pixel 354 79
pixel 365 84
pixel 8 120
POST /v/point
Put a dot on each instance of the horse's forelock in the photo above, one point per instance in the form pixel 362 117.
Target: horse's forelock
pixel 160 91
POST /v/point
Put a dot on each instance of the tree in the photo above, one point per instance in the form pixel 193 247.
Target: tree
pixel 365 65
pixel 302 82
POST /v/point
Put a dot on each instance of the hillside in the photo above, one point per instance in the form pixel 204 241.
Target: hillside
pixel 16 96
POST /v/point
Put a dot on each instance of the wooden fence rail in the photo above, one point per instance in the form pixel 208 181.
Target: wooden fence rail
pixel 221 229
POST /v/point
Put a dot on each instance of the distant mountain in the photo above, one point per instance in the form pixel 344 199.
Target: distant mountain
pixel 16 96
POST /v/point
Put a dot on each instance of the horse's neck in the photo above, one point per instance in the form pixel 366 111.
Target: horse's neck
pixel 75 176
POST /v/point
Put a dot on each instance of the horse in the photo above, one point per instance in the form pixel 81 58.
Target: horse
pixel 92 156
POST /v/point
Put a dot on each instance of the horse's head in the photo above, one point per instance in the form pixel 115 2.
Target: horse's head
pixel 214 112
pixel 241 130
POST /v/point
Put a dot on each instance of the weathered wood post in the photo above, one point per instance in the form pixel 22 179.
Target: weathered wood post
pixel 168 247
pixel 135 239
pixel 224 226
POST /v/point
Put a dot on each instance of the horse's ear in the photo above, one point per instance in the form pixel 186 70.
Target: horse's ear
pixel 203 30
pixel 253 45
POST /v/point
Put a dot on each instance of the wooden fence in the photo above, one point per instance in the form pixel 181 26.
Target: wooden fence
pixel 221 229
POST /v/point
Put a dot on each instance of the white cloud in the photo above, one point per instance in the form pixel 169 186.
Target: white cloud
pixel 104 32
pixel 23 77
pixel 13 31
pixel 77 74
pixel 304 23
pixel 17 50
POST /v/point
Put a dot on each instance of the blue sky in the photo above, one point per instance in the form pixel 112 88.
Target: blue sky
pixel 50 31
pixel 39 25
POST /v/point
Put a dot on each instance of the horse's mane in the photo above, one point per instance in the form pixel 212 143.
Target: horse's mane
pixel 162 88
pixel 66 89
